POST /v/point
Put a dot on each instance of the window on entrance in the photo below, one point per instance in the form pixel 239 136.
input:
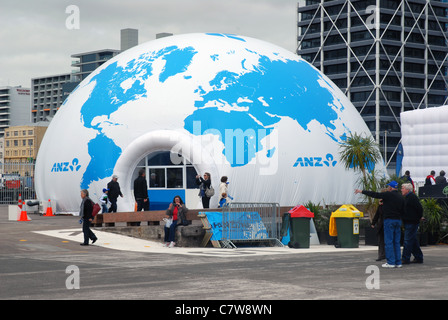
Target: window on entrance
pixel 166 170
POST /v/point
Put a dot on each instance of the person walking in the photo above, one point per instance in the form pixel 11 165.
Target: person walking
pixel 114 192
pixel 85 212
pixel 177 211
pixel 393 211
pixel 412 215
pixel 204 185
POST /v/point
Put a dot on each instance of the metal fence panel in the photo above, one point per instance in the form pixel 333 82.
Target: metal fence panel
pixel 16 179
pixel 249 222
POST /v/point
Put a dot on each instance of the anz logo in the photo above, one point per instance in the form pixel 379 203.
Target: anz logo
pixel 316 161
pixel 66 166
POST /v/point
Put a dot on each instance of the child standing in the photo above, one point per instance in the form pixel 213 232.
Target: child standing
pixel 104 200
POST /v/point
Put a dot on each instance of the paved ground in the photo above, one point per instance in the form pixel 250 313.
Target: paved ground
pixel 42 259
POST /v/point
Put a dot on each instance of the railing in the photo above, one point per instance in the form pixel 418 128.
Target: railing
pixel 251 222
pixel 16 179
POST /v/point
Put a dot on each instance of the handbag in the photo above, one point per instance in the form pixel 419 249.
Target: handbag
pixel 209 192
pixel 96 209
pixel 168 222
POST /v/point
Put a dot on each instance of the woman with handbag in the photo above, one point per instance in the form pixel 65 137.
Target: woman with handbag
pixel 206 190
pixel 177 211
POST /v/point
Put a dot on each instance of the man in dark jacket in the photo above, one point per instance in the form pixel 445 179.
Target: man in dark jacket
pixel 393 211
pixel 114 192
pixel 412 214
pixel 141 191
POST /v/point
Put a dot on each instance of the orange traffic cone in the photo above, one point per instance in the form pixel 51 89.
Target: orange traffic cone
pixel 23 215
pixel 49 212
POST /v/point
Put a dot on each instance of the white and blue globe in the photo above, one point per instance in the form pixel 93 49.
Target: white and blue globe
pixel 230 105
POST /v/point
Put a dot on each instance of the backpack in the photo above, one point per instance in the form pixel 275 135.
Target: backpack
pixel 96 209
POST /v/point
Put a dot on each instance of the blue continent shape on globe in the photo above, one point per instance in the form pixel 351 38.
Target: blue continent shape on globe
pixel 263 94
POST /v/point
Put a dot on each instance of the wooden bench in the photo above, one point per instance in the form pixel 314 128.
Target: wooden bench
pixel 151 217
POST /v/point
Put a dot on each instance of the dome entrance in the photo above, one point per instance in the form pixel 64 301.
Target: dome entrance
pixel 172 160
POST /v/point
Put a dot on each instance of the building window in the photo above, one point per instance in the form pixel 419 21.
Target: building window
pixel 165 170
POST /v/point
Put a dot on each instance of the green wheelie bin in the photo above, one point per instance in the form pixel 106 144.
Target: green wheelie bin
pixel 346 219
pixel 300 227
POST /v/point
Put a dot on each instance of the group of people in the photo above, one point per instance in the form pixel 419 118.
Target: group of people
pixel 110 196
pixel 175 214
pixel 432 180
pixel 394 210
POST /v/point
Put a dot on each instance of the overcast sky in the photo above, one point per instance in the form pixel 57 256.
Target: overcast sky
pixel 35 40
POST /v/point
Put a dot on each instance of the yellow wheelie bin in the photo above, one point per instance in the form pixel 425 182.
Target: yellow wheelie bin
pixel 344 223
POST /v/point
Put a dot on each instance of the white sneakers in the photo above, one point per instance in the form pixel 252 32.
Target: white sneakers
pixel 169 245
pixel 386 265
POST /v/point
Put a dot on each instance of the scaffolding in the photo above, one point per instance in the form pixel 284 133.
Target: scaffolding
pixel 251 224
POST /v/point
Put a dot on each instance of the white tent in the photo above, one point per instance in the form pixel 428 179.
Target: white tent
pixel 425 141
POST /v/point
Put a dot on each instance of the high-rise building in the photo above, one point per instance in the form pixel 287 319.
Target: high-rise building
pixel 87 62
pixel 14 106
pixel 388 56
pixel 47 96
pixel 129 38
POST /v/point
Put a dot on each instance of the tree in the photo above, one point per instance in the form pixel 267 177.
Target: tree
pixel 361 153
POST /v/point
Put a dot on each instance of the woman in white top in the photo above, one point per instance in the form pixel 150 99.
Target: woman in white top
pixel 223 192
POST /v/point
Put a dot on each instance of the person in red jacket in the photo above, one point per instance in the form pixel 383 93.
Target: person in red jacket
pixel 430 180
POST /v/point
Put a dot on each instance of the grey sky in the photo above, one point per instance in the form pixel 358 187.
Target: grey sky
pixel 35 41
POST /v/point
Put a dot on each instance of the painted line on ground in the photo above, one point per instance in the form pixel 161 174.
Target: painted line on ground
pixel 125 243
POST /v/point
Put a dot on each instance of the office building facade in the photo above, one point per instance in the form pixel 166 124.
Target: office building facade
pixel 22 142
pixel 88 62
pixel 14 106
pixel 388 56
pixel 47 96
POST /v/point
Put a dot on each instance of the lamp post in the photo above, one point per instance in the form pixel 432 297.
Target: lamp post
pixel 385 146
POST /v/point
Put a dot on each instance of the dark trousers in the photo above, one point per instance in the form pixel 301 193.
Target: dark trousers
pixel 170 233
pixel 88 234
pixel 142 204
pixel 205 202
pixel 113 205
pixel 411 243
pixel 381 250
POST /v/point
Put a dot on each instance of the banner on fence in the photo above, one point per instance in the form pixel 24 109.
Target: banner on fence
pixel 240 226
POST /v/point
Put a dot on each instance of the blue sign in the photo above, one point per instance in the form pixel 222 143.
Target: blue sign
pixel 240 225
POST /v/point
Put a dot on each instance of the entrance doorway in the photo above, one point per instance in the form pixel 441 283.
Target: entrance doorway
pixel 167 175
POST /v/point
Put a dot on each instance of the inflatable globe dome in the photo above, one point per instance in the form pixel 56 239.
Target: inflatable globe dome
pixel 189 104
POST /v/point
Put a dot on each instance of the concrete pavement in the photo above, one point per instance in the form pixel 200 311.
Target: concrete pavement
pixel 42 259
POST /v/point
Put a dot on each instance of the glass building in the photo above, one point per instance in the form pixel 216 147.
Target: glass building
pixel 388 56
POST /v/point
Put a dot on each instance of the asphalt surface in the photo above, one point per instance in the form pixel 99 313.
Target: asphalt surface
pixel 42 260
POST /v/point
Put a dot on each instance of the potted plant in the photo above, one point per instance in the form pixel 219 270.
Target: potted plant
pixel 432 219
pixel 322 222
